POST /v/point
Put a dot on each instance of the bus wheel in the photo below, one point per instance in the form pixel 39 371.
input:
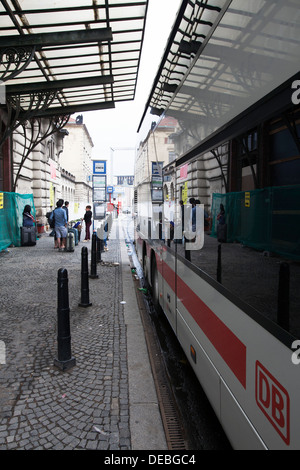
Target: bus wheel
pixel 145 267
pixel 155 287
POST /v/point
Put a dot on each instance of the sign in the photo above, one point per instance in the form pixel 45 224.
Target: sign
pixel 247 199
pixel 52 171
pixel 119 190
pixel 110 189
pixel 1 201
pixel 157 181
pixel 99 188
pixel 274 401
pixel 185 193
pixel 157 168
pixel 51 191
pixel 99 194
pixel 99 210
pixel 99 167
pixel 184 171
pixel 125 180
pixel 99 181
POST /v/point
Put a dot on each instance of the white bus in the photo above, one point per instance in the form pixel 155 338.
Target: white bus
pixel 225 111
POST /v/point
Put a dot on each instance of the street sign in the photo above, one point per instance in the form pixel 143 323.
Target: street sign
pixel 99 167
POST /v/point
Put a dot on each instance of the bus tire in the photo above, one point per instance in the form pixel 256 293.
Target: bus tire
pixel 145 271
pixel 155 287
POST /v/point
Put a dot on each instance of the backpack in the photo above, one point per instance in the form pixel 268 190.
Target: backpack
pixel 52 221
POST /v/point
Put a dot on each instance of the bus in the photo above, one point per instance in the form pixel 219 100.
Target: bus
pixel 219 144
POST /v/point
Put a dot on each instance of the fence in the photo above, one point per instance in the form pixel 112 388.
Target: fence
pixel 265 219
pixel 11 218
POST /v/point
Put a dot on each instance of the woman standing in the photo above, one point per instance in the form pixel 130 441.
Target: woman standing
pixel 28 219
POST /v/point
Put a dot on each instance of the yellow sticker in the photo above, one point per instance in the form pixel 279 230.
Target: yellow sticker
pixel 247 199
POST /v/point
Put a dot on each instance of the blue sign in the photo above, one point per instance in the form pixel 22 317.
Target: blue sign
pixel 99 167
pixel 110 189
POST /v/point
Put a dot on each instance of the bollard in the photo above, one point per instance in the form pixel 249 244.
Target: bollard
pixel 64 359
pixel 94 274
pixel 283 302
pixel 98 250
pixel 85 302
pixel 219 265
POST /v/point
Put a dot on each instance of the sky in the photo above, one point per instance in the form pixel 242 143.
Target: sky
pixel 117 128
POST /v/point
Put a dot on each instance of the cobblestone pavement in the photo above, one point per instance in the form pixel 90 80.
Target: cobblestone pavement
pixel 42 407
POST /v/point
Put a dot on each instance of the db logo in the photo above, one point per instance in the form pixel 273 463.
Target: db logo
pixel 274 401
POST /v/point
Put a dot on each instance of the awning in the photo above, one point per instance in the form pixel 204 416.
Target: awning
pixel 60 57
pixel 222 57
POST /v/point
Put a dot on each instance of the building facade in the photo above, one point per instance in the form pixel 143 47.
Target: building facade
pixel 49 165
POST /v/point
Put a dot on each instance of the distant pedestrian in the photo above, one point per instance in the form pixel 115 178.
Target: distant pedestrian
pixel 222 226
pixel 192 201
pixel 88 222
pixel 182 215
pixel 60 225
pixel 66 208
pixel 206 216
pixel 78 227
pixel 221 215
pixel 28 219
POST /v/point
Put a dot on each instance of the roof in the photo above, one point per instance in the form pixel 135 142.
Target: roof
pixel 222 57
pixel 64 57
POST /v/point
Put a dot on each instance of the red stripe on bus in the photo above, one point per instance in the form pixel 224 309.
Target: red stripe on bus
pixel 228 345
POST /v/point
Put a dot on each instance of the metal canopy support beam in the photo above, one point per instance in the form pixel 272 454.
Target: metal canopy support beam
pixel 33 131
pixel 41 40
pixel 72 109
pixel 58 84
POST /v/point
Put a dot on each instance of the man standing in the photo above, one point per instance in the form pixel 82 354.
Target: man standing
pixel 88 222
pixel 66 208
pixel 60 225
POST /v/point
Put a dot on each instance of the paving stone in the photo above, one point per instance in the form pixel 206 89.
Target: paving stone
pixel 57 408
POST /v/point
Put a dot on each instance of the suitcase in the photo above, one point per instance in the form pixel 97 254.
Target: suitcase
pixel 75 232
pixel 222 233
pixel 70 245
pixel 28 236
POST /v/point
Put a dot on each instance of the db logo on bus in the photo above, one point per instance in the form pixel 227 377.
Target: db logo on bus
pixel 274 401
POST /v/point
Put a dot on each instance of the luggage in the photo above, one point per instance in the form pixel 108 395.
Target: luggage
pixel 222 233
pixel 28 236
pixel 75 232
pixel 70 244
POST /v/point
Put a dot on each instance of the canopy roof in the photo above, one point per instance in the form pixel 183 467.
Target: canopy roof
pixel 72 56
pixel 222 57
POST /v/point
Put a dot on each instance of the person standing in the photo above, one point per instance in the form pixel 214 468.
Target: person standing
pixel 28 219
pixel 88 222
pixel 66 208
pixel 60 225
pixel 222 226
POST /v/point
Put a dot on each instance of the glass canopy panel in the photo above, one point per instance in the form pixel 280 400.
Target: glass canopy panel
pixel 120 28
pixel 250 49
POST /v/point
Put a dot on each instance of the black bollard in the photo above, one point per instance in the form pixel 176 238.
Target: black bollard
pixel 94 274
pixel 219 265
pixel 98 250
pixel 64 357
pixel 85 298
pixel 283 303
